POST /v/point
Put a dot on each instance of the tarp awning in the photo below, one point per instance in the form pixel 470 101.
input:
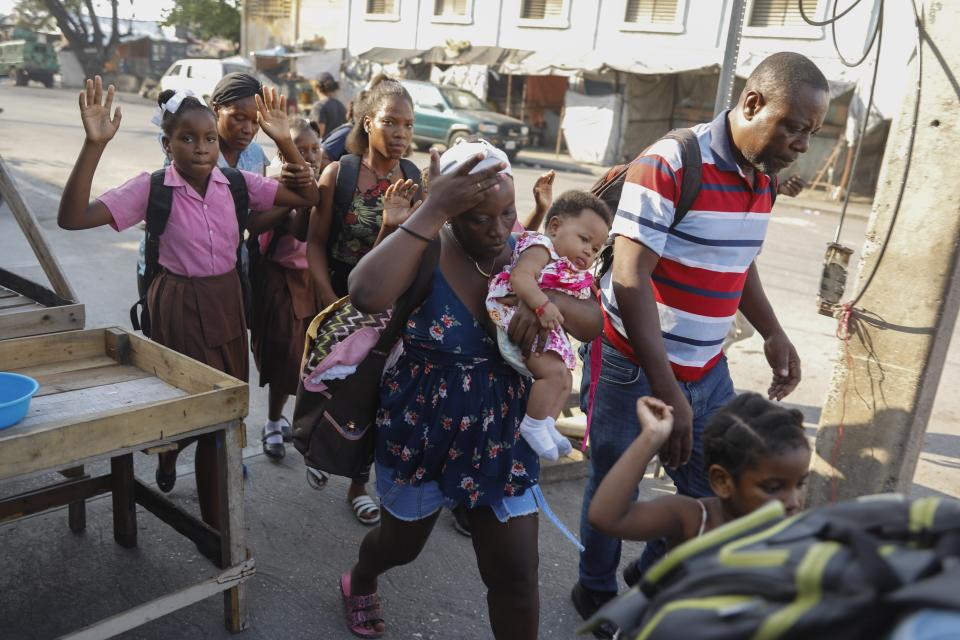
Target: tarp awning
pixel 592 62
pixel 387 55
pixel 488 56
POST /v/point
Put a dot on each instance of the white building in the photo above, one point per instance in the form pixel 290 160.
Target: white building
pixel 632 44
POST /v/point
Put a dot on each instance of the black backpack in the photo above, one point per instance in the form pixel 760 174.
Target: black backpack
pixel 609 187
pixel 347 187
pixel 843 571
pixel 158 213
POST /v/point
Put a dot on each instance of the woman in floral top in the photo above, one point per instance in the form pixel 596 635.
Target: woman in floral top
pixel 381 135
pixel 448 427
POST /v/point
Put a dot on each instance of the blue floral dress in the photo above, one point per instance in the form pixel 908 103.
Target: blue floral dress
pixel 450 408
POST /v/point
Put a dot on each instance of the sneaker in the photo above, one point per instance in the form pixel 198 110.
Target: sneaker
pixel 587 602
pixel 460 520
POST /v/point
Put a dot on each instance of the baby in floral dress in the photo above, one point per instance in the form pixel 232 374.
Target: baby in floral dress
pixel 577 226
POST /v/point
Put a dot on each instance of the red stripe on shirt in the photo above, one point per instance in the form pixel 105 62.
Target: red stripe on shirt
pixel 621 344
pixel 723 281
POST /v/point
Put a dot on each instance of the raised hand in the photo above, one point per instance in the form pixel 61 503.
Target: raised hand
pixel 398 202
pixel 656 420
pixel 460 190
pixel 272 114
pixel 95 112
pixel 543 190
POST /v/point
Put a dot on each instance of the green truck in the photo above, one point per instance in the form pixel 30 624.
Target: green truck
pixel 27 58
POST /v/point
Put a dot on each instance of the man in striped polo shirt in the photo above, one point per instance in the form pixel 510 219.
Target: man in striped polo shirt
pixel 672 293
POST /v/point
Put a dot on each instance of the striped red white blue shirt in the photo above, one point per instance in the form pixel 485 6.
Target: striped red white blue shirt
pixel 704 260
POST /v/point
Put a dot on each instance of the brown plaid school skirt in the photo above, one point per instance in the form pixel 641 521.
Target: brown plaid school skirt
pixel 201 318
pixel 282 312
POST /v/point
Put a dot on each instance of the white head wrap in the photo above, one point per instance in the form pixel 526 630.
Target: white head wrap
pixel 459 153
pixel 173 104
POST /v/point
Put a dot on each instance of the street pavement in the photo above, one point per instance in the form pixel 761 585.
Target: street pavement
pixel 52 581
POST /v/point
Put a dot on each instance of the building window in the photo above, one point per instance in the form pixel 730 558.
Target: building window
pixel 383 10
pixel 269 9
pixel 782 19
pixel 553 14
pixel 453 11
pixel 381 7
pixel 654 15
pixel 781 13
pixel 450 8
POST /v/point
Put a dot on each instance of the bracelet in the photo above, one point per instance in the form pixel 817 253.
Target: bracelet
pixel 415 234
pixel 542 309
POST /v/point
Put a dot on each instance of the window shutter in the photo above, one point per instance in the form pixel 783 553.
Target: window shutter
pixel 651 11
pixel 450 8
pixel 270 9
pixel 542 9
pixel 781 13
pixel 381 6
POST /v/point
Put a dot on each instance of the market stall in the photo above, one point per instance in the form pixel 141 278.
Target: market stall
pixel 104 395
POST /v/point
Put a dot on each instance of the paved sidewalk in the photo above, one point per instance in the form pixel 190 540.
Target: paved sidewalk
pixel 52 581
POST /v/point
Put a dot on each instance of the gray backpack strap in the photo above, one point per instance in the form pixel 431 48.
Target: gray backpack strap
pixel 692 171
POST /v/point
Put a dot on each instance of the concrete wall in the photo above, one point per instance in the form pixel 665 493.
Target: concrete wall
pixel 595 25
pixel 480 26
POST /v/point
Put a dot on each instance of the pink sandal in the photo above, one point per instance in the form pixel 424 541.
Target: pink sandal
pixel 360 610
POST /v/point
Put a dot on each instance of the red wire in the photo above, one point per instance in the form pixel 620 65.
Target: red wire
pixel 843 333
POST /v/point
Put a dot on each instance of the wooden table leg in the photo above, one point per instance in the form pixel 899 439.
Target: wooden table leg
pixel 77 511
pixel 124 501
pixel 233 547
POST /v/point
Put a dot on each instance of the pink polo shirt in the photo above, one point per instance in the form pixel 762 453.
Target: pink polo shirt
pixel 290 252
pixel 201 236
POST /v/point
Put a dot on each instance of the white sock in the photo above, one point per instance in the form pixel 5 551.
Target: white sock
pixel 563 445
pixel 535 433
pixel 273 430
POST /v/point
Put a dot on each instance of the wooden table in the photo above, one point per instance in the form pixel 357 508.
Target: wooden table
pixel 29 309
pixel 107 393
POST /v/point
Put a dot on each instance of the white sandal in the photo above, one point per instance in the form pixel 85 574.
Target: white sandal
pixel 366 510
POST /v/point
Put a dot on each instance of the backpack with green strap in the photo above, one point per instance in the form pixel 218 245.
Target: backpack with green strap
pixel 843 571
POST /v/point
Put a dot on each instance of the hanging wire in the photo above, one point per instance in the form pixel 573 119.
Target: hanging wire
pixel 876 37
pixel 832 20
pixel 908 158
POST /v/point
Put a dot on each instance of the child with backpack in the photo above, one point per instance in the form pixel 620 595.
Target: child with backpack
pixel 755 451
pixel 577 226
pixel 285 296
pixel 195 300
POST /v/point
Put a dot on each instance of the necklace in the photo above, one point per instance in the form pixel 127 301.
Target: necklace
pixel 388 176
pixel 453 235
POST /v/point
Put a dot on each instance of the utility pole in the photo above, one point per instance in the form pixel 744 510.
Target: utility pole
pixel 731 52
pixel 873 422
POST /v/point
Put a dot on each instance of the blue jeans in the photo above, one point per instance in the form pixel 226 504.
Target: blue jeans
pixel 614 427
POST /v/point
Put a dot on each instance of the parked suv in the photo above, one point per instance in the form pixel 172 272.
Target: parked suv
pixel 445 114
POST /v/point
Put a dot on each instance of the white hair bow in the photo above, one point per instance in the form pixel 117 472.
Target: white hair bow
pixel 173 104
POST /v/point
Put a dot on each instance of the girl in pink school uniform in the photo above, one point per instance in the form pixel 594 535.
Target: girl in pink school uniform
pixel 195 301
pixel 287 300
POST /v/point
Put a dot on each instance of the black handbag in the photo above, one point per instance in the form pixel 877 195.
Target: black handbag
pixel 334 428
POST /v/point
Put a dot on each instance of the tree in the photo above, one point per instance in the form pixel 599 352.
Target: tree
pixel 31 14
pixel 78 22
pixel 206 19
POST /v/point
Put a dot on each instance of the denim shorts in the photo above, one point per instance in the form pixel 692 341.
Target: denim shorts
pixel 415 502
